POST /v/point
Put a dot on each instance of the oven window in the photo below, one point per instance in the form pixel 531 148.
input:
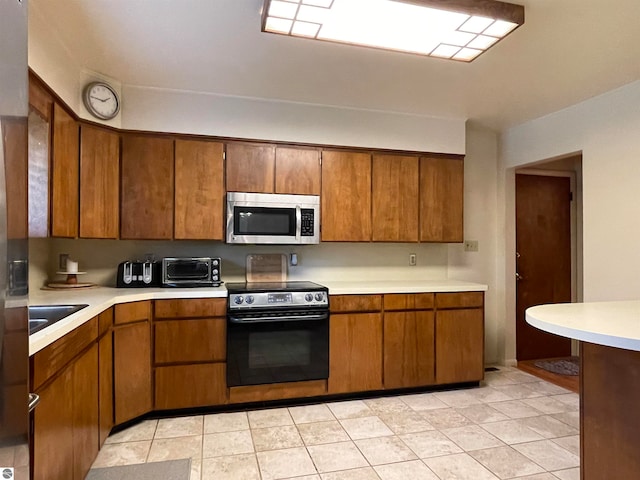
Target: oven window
pixel 264 221
pixel 279 349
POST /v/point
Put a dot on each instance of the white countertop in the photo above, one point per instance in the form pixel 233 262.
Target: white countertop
pixel 613 324
pixel 101 298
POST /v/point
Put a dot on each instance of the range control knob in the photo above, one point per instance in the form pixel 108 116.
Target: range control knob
pixel 319 296
pixel 238 300
pixel 308 297
pixel 249 299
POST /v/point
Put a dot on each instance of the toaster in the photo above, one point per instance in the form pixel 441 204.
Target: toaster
pixel 139 274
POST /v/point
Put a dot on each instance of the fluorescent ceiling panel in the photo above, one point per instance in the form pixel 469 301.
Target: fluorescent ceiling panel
pixel 456 29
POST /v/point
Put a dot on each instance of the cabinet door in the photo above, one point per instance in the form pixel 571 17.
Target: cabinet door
pixel 14 132
pixel 64 174
pixel 459 345
pixel 99 183
pixel 346 197
pixel 250 168
pixel 182 341
pixel 147 188
pixel 395 198
pixel 105 381
pixel 409 357
pixel 441 198
pixel 188 386
pixel 297 171
pixel 355 362
pixel 85 412
pixel 53 430
pixel 132 371
pixel 199 190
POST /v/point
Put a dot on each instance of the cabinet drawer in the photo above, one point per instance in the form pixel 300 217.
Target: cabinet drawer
pixel 48 361
pixel 355 303
pixel 182 341
pixel 409 301
pixel 187 386
pixel 459 300
pixel 132 312
pixel 191 308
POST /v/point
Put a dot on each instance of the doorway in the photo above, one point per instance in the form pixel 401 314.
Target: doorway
pixel 544 255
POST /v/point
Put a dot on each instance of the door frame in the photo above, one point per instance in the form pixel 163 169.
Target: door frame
pixel 575 226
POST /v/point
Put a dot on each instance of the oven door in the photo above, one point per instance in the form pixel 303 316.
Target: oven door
pixel 176 271
pixel 270 347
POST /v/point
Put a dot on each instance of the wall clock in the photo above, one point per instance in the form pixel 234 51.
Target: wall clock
pixel 101 100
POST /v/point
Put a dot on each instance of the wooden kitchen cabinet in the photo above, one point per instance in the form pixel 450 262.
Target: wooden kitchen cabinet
pixel 297 171
pixel 190 353
pixel 99 182
pixel 250 167
pixel 409 340
pixel 147 188
pixel 65 174
pixel 346 196
pixel 459 337
pixel 395 196
pixel 355 345
pixel 199 197
pixel 105 374
pixel 441 199
pixel 65 423
pixel 132 361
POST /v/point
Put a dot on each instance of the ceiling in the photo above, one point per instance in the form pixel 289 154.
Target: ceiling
pixel 567 51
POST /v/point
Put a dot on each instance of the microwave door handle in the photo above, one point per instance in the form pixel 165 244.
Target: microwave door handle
pixel 298 222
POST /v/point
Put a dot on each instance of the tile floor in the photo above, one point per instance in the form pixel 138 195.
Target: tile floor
pixel 513 426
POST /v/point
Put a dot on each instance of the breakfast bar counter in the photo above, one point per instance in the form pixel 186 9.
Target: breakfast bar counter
pixel 609 335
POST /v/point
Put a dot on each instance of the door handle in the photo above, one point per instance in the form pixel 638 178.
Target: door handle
pixel 34 399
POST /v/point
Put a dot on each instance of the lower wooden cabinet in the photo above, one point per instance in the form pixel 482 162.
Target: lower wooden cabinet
pixel 65 423
pixel 409 349
pixel 187 386
pixel 459 343
pixel 105 381
pixel 355 346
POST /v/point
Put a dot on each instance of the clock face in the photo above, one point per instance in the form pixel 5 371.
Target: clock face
pixel 101 100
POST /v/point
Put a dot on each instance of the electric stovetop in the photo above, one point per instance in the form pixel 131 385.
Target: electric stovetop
pixel 274 287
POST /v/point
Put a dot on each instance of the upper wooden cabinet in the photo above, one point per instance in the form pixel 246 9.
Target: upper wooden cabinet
pixel 147 188
pixel 297 171
pixel 14 140
pixel 199 197
pixel 346 196
pixel 65 176
pixel 250 167
pixel 99 182
pixel 441 198
pixel 395 196
pixel 264 168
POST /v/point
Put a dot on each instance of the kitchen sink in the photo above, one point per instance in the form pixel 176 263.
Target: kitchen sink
pixel 41 316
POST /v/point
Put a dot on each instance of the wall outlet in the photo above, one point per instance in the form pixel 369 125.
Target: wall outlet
pixel 470 245
pixel 412 259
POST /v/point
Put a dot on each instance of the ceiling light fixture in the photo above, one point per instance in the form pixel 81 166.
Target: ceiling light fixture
pixel 453 29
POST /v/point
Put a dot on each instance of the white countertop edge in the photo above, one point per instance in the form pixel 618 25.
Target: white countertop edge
pixel 101 298
pixel 612 324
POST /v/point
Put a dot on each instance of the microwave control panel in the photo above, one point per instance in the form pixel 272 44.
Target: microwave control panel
pixel 306 227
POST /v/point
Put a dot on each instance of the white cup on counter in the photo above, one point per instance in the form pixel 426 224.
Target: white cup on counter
pixel 72 267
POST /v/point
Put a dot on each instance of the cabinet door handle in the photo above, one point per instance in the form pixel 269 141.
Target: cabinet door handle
pixel 519 277
pixel 34 400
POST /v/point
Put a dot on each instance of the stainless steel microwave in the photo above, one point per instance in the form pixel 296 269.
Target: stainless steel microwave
pixel 266 218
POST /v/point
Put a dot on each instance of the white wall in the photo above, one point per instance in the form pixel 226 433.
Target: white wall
pixel 607 131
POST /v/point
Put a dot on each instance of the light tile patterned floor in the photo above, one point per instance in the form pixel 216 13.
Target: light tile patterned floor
pixel 512 426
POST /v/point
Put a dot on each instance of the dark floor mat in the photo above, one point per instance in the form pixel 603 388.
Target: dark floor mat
pixel 564 366
pixel 169 470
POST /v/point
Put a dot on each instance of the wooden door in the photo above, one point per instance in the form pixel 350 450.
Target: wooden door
pixel 543 243
pixel 147 188
pixel 85 412
pixel 395 198
pixel 105 381
pixel 189 386
pixel 132 371
pixel 355 346
pixel 99 183
pixel 459 345
pixel 441 199
pixel 409 349
pixel 53 430
pixel 297 171
pixel 199 201
pixel 65 174
pixel 250 167
pixel 346 196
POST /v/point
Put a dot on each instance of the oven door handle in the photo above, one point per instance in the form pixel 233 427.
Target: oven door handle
pixel 293 318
